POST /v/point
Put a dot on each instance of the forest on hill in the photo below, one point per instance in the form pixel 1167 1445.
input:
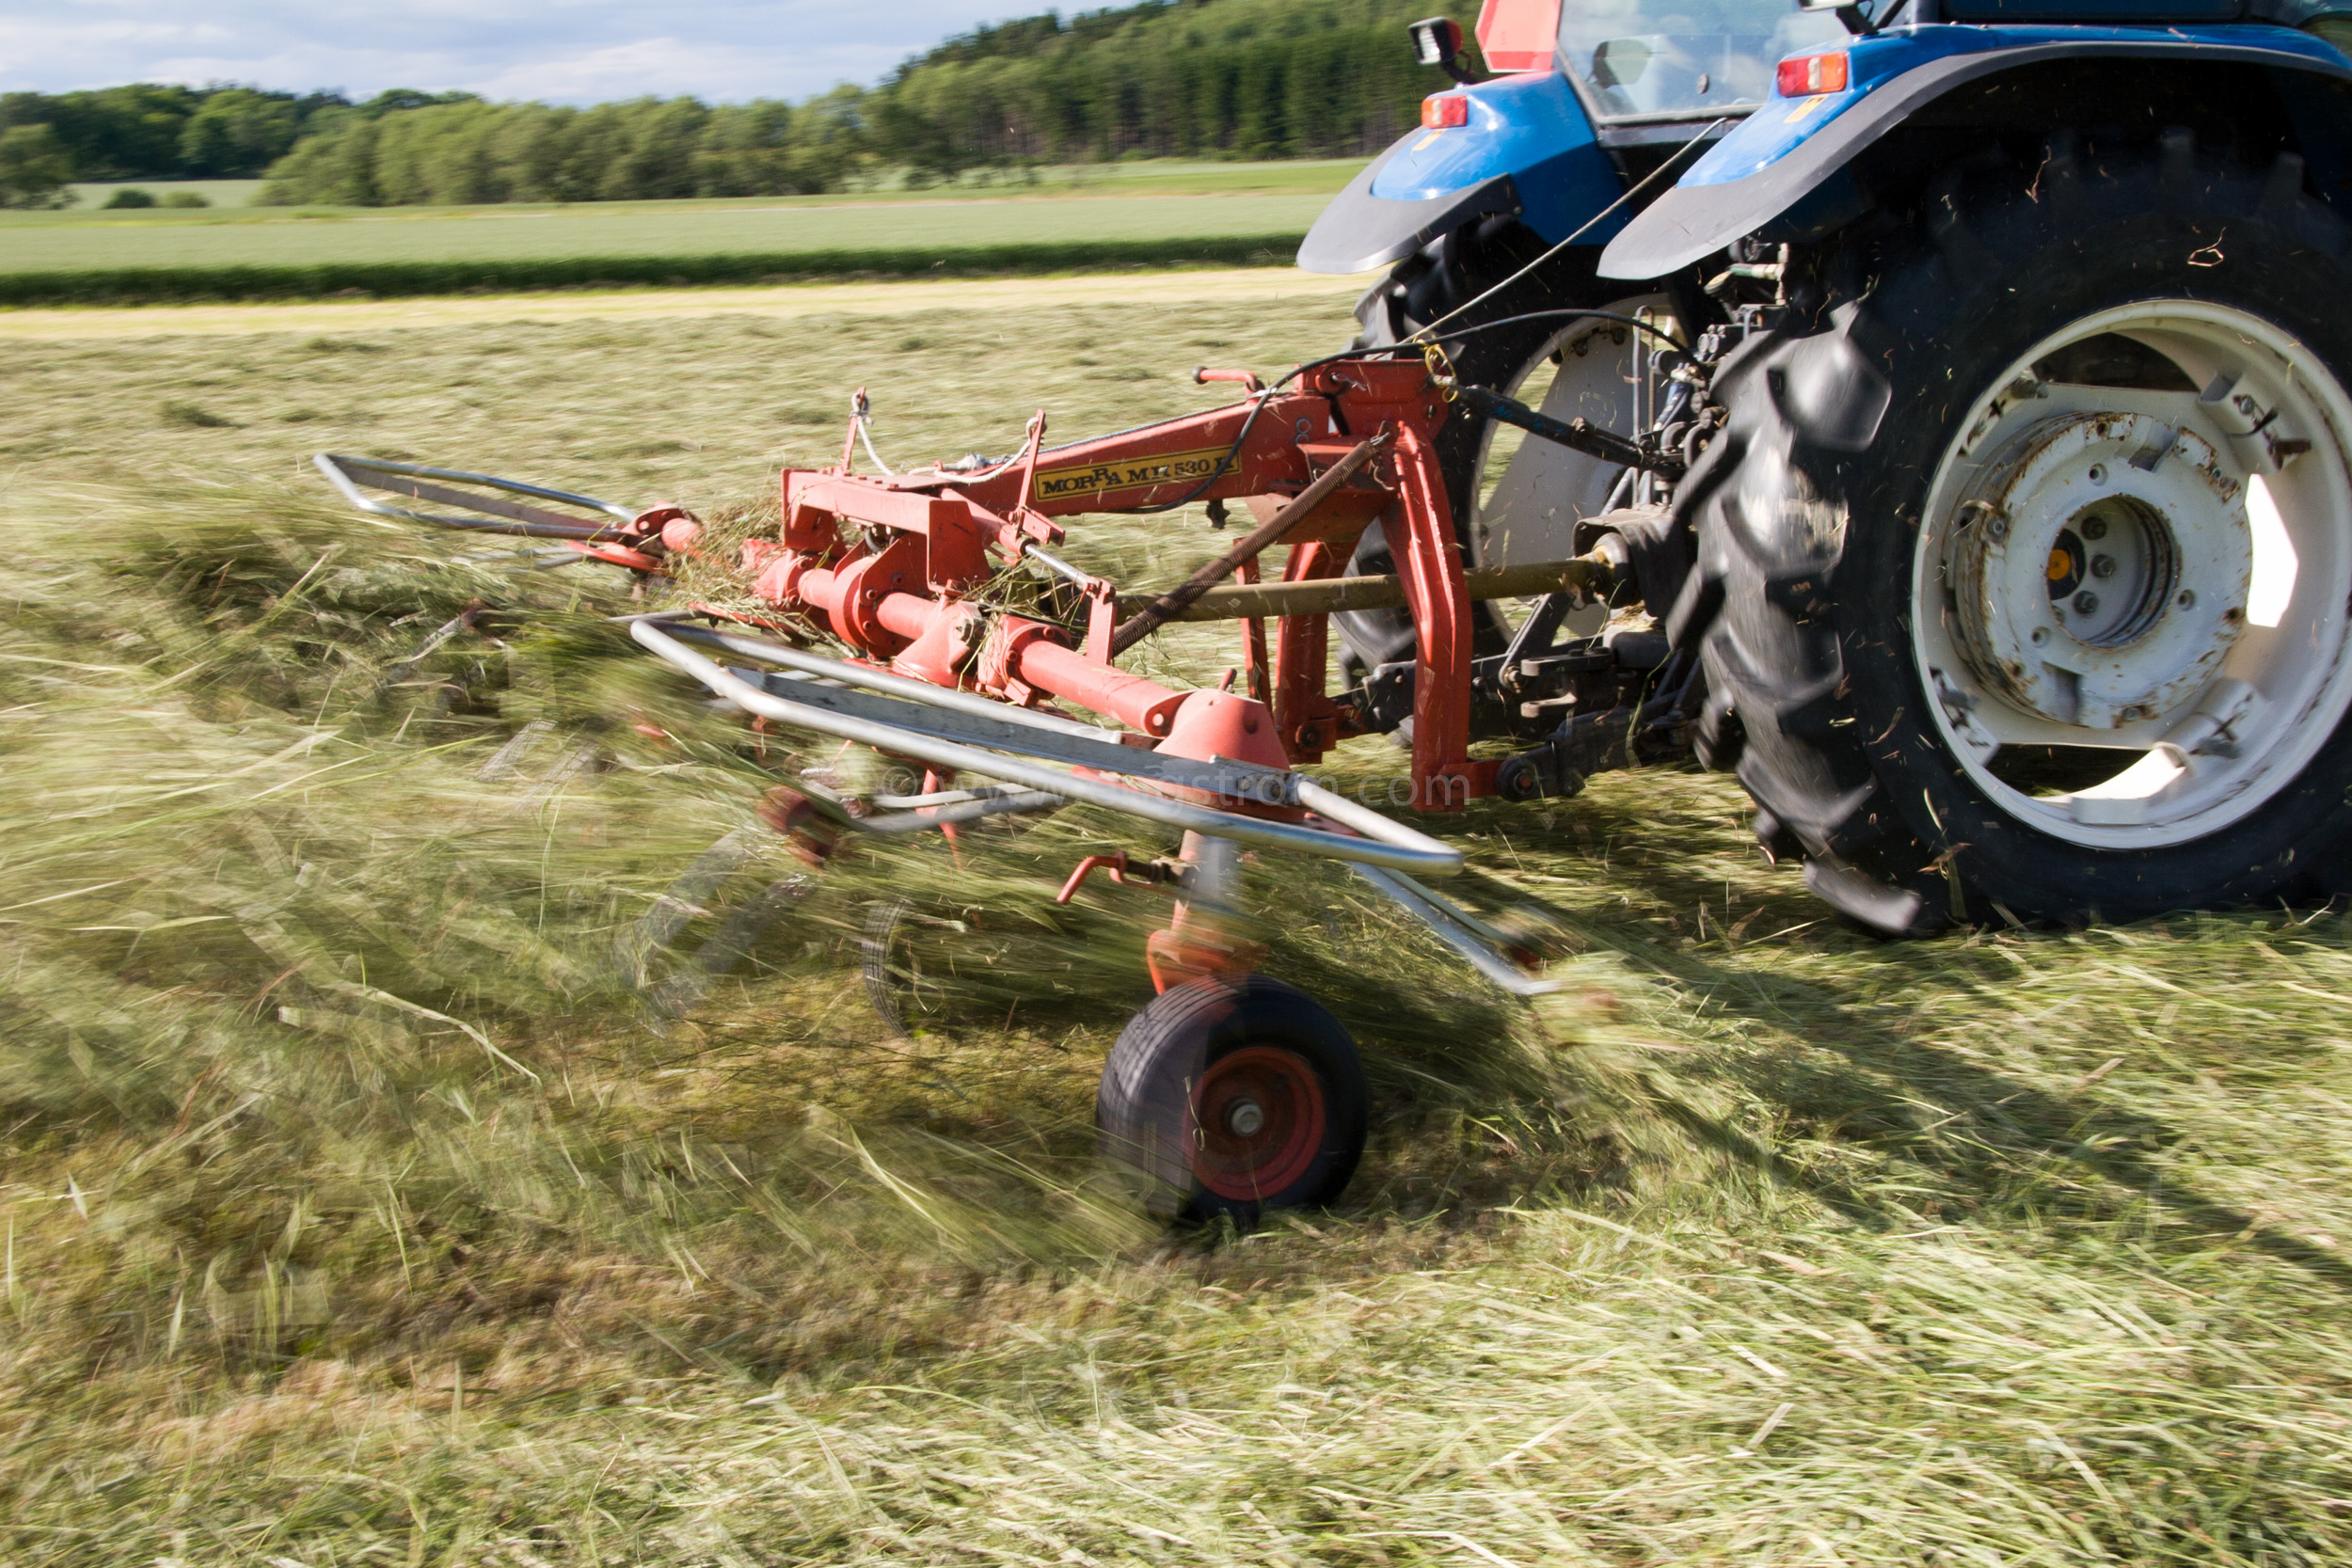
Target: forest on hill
pixel 1243 79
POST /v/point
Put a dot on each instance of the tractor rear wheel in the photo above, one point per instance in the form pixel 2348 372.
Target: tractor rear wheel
pixel 1234 1096
pixel 2024 564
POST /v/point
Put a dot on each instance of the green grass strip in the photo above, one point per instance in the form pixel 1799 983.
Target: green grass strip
pixel 154 285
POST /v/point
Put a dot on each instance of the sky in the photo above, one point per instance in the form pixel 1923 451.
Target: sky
pixel 562 50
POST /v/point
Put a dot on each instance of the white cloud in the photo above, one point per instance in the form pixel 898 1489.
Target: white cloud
pixel 564 51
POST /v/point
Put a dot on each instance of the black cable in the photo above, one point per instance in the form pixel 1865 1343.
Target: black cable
pixel 1500 321
pixel 1590 224
pixel 1635 322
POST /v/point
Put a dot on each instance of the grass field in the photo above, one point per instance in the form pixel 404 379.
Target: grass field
pixel 354 1211
pixel 1122 215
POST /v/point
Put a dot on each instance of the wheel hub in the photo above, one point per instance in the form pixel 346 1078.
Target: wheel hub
pixel 1259 1117
pixel 2101 571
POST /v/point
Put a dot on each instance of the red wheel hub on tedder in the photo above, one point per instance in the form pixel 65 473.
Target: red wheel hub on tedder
pixel 1259 1121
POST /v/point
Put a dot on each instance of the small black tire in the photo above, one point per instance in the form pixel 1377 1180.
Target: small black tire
pixel 1234 1096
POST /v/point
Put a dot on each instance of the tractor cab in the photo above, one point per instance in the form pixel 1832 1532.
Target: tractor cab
pixel 1662 62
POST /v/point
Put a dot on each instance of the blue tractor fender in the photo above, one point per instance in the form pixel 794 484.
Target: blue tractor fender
pixel 1792 149
pixel 1527 149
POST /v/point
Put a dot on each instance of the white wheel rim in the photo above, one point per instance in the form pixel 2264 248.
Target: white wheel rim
pixel 2214 656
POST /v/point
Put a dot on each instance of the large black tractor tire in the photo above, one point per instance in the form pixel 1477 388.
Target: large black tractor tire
pixel 1424 288
pixel 1234 1096
pixel 1809 508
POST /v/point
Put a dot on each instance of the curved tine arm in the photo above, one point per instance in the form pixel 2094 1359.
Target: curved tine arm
pixel 529 522
pixel 513 487
pixel 1458 930
pixel 940 798
pixel 968 811
pixel 1392 845
pixel 1358 817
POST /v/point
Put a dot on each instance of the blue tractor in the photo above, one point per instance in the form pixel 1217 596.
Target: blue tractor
pixel 1979 376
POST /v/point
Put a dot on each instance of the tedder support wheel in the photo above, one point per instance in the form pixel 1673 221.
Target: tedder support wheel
pixel 2024 560
pixel 1234 1095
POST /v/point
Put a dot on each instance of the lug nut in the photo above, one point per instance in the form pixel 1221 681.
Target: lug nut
pixel 2086 602
pixel 2094 528
pixel 2103 565
pixel 2041 634
pixel 2098 473
pixel 2187 600
pixel 1246 1120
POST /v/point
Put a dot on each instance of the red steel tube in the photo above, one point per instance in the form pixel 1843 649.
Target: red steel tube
pixel 1137 702
pixel 907 615
pixel 1134 702
pixel 817 586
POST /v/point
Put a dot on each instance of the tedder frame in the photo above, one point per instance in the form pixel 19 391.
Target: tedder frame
pixel 876 623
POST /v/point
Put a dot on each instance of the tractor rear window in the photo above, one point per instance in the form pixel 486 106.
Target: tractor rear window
pixel 1683 59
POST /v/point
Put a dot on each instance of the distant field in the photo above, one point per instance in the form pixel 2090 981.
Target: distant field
pixel 1142 177
pixel 1238 214
pixel 505 234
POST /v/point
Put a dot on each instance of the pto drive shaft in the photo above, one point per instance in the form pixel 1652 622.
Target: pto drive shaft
pixel 1592 576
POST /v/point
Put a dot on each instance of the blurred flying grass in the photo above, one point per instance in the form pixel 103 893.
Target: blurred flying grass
pixel 355 1208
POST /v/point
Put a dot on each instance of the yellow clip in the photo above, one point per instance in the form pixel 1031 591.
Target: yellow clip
pixel 1433 357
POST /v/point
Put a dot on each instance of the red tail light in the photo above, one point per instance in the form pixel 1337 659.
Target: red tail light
pixel 1803 74
pixel 1442 109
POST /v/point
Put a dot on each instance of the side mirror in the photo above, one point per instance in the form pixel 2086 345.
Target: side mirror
pixel 1438 42
pixel 1859 18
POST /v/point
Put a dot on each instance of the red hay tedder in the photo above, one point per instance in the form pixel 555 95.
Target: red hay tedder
pixel 1234 1092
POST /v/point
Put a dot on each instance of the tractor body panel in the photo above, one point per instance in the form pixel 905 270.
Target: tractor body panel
pixel 1527 149
pixel 1792 151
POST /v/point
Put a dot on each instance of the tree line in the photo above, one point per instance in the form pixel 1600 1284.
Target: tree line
pixel 149 130
pixel 1168 78
pixel 1243 79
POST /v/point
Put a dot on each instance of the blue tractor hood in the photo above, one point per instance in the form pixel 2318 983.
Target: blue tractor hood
pixel 1528 151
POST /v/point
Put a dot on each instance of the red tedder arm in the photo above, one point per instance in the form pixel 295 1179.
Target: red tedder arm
pixel 890 565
